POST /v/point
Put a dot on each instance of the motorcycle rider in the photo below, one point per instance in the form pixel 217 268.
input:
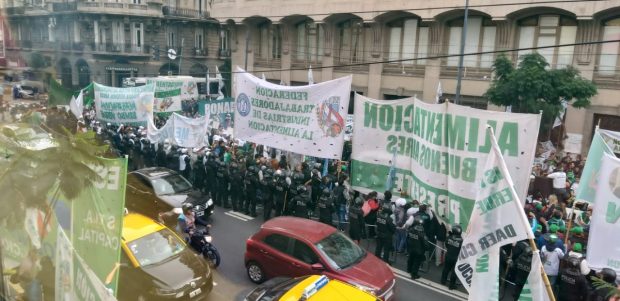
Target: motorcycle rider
pixel 223 178
pixel 356 220
pixel 416 245
pixel 453 245
pixel 186 222
pixel 385 233
pixel 326 207
pixel 300 202
pixel 236 184
pixel 251 182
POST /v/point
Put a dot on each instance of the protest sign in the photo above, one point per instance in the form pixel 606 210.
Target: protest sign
pixel 181 131
pixel 97 219
pixel 222 112
pixel 603 142
pixel 602 251
pixel 129 106
pixel 170 92
pixel 440 149
pixel 309 120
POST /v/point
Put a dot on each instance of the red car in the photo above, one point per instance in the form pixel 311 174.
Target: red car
pixel 293 247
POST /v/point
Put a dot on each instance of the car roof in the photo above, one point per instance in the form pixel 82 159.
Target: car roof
pixel 302 227
pixel 155 172
pixel 136 226
pixel 333 290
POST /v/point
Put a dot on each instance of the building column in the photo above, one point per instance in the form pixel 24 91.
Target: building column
pixel 375 71
pixel 328 59
pixel 432 69
pixel 287 40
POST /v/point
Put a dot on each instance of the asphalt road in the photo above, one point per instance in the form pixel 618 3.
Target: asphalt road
pixel 230 232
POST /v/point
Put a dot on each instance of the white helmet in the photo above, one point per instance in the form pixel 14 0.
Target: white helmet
pixel 411 211
pixel 401 202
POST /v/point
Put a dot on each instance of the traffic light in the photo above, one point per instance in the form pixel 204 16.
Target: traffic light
pixel 156 52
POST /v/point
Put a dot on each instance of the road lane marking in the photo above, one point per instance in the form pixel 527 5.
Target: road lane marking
pixel 438 288
pixel 239 214
pixel 235 216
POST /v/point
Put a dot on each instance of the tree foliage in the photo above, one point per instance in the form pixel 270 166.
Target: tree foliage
pixel 533 87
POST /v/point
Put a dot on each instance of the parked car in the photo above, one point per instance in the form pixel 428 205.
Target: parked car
pixel 154 190
pixel 310 288
pixel 294 247
pixel 157 265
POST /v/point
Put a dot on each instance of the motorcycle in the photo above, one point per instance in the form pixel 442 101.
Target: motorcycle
pixel 201 241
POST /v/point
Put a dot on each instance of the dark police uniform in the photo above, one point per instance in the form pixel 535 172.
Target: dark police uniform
pixel 326 207
pixel 223 178
pixel 453 246
pixel 236 187
pixel 416 245
pixel 251 182
pixel 385 233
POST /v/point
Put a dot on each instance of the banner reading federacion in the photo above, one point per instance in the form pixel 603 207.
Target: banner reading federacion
pixel 308 120
pixel 440 150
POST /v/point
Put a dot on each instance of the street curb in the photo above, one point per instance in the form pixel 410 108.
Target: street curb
pixel 442 289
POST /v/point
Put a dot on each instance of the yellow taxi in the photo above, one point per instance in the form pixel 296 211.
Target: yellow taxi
pixel 308 288
pixel 157 265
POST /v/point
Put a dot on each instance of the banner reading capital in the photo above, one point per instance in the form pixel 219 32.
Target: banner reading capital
pixel 440 149
pixel 128 106
pixel 308 120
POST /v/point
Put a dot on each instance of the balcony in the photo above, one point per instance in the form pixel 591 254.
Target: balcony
pixel 223 53
pixel 17 10
pixel 184 13
pixel 199 51
pixel 404 69
pixel 121 48
pixel 101 6
pixel 64 6
pixel 267 62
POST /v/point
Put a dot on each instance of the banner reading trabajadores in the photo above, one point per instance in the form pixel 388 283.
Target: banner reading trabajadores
pixel 438 149
pixel 128 106
pixel 308 120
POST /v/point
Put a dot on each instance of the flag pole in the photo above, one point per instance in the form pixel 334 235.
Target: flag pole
pixel 530 238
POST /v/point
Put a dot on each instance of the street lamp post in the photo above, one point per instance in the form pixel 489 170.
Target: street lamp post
pixel 459 76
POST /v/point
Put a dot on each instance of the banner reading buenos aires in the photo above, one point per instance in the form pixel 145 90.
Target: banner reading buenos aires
pixel 129 106
pixel 440 149
pixel 308 120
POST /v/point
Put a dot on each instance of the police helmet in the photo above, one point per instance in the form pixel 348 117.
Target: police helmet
pixel 527 250
pixel 608 275
pixel 456 229
pixel 418 220
pixel 359 201
pixel 298 176
pixel 301 188
pixel 263 167
pixel 221 163
pixel 252 168
pixel 279 173
pixel 326 191
pixel 387 208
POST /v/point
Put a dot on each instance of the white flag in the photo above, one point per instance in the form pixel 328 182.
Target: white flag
pixel 439 92
pixel 534 288
pixel 263 77
pixel 310 77
pixel 509 109
pixel 560 117
pixel 77 105
pixel 496 219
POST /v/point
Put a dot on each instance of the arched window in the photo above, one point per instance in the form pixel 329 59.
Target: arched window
pixel 352 41
pixel 480 37
pixel 270 41
pixel 608 62
pixel 310 37
pixel 408 40
pixel 549 30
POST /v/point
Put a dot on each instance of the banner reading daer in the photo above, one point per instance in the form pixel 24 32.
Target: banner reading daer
pixel 440 150
pixel 308 120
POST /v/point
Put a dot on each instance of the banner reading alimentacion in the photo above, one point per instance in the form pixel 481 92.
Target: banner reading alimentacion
pixel 308 120
pixel 440 150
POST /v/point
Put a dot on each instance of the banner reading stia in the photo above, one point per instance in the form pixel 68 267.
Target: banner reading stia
pixel 602 251
pixel 308 120
pixel 440 149
pixel 497 219
pixel 129 106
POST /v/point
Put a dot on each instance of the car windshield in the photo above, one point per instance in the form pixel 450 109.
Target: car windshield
pixel 156 247
pixel 171 184
pixel 340 251
pixel 278 290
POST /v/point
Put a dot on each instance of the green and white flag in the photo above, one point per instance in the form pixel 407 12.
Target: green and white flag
pixel 603 142
pixel 603 245
pixel 496 219
pixel 170 92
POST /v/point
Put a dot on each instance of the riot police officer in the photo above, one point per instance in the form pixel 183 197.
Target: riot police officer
pixel 160 155
pixel 573 285
pixel 266 192
pixel 416 245
pixel 200 173
pixel 300 202
pixel 236 186
pixel 356 220
pixel 211 169
pixel 385 233
pixel 453 246
pixel 523 265
pixel 602 293
pixel 223 178
pixel 326 207
pixel 251 182
pixel 280 192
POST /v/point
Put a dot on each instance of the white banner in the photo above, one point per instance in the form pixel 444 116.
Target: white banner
pixel 603 142
pixel 440 148
pixel 602 250
pixel 129 106
pixel 309 120
pixel 497 219
pixel 170 92
pixel 181 131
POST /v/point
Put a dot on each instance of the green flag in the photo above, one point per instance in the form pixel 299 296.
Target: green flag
pixel 58 95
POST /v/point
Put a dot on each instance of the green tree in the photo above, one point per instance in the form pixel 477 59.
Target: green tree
pixel 533 87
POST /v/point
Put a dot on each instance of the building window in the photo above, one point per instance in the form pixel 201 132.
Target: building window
pixel 480 37
pixel 137 37
pixel 171 38
pixel 549 30
pixel 352 41
pixel 76 32
pixel 199 38
pixel 118 32
pixel 310 38
pixel 270 41
pixel 408 41
pixel 224 42
pixel 608 62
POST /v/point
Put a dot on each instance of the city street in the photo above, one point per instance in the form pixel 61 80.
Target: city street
pixel 230 231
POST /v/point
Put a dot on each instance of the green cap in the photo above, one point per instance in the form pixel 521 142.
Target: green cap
pixel 562 228
pixel 553 238
pixel 343 168
pixel 539 206
pixel 576 230
pixel 554 228
pixel 538 228
pixel 577 247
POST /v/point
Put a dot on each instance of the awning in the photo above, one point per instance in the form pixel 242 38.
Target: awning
pixel 115 68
